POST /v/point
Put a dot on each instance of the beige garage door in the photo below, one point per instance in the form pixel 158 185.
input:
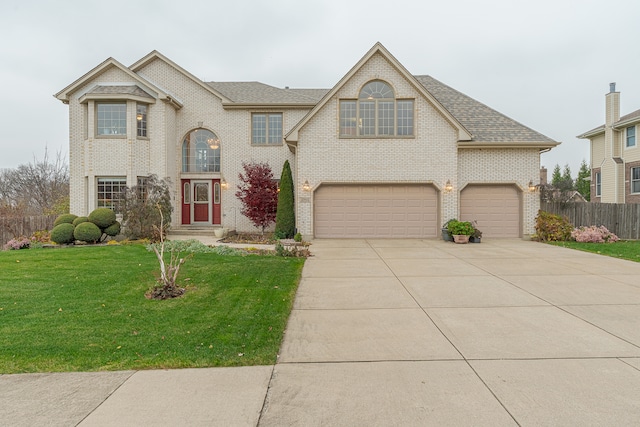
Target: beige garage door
pixel 375 211
pixel 496 208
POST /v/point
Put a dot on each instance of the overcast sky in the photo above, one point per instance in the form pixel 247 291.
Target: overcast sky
pixel 546 63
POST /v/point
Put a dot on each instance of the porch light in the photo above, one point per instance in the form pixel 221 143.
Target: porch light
pixel 448 187
pixel 306 186
pixel 224 184
pixel 532 187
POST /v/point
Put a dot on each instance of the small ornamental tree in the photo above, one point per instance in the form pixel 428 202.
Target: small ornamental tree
pixel 285 215
pixel 142 207
pixel 258 193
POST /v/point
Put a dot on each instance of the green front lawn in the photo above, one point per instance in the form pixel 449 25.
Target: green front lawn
pixel 84 309
pixel 625 249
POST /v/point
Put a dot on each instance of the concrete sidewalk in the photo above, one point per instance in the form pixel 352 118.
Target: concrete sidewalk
pixel 400 332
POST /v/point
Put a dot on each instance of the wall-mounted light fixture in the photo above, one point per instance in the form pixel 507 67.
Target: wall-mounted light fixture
pixel 448 187
pixel 223 183
pixel 306 186
pixel 532 187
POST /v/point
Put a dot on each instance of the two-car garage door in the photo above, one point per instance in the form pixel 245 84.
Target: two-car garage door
pixel 375 211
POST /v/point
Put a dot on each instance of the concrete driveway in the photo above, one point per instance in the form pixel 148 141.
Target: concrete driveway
pixel 400 332
pixel 424 332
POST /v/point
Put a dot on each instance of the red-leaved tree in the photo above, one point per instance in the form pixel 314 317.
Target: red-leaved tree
pixel 258 193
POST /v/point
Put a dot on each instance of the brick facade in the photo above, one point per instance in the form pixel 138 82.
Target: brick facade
pixel 431 156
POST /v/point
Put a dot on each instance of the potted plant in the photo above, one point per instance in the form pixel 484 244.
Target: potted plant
pixel 446 236
pixel 460 230
pixel 476 237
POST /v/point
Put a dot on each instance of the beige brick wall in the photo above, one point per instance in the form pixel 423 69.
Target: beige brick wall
pixel 504 166
pixel 323 157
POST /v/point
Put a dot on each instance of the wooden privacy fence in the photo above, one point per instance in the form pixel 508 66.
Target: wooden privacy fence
pixel 11 227
pixel 621 219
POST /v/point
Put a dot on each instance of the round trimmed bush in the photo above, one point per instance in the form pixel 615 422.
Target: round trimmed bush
pixel 113 229
pixel 65 219
pixel 62 233
pixel 87 232
pixel 79 220
pixel 102 217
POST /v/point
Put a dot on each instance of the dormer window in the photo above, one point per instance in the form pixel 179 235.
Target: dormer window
pixel 111 119
pixel 377 113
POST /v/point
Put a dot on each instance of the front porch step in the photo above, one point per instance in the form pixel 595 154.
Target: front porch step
pixel 197 230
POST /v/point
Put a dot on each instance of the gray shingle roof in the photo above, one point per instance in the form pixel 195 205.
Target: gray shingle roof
pixel 120 90
pixel 630 116
pixel 484 123
pixel 260 93
pixel 633 116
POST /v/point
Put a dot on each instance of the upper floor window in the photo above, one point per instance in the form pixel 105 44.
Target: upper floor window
pixel 111 119
pixel 266 128
pixel 598 184
pixel 631 136
pixel 376 113
pixel 201 152
pixel 141 119
pixel 635 180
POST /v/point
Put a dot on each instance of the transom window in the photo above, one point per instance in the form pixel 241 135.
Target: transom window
pixel 631 136
pixel 109 190
pixel 598 184
pixel 266 128
pixel 376 113
pixel 201 152
pixel 635 180
pixel 112 119
pixel 141 120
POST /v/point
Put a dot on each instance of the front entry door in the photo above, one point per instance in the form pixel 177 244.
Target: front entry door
pixel 201 201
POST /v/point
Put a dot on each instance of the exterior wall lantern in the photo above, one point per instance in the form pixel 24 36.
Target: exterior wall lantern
pixel 223 183
pixel 306 186
pixel 448 187
pixel 532 187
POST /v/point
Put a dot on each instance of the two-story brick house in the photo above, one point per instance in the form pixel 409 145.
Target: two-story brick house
pixel 615 156
pixel 383 153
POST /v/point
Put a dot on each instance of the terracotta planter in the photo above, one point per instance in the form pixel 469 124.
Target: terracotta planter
pixel 461 238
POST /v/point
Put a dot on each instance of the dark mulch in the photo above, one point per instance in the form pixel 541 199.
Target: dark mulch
pixel 252 238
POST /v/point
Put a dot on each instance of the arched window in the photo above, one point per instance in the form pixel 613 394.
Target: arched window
pixel 376 113
pixel 201 152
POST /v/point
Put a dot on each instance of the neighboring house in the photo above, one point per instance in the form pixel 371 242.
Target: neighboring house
pixel 383 153
pixel 615 156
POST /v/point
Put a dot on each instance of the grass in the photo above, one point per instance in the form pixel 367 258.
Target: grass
pixel 84 309
pixel 625 249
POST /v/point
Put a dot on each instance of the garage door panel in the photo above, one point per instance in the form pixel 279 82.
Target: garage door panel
pixel 495 208
pixel 375 211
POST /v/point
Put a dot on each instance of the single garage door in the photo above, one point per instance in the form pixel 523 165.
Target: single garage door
pixel 375 211
pixel 496 208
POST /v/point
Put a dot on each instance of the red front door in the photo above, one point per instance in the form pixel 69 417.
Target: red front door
pixel 201 201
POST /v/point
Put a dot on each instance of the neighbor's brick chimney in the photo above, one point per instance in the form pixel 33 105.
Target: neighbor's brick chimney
pixel 543 176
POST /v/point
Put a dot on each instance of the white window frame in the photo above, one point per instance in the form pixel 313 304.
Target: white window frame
pixel 119 182
pixel 142 130
pixel 598 184
pixel 633 180
pixel 110 127
pixel 630 138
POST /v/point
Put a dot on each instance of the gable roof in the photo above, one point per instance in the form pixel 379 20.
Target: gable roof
pixel 145 86
pixel 155 55
pixel 463 134
pixel 488 126
pixel 624 121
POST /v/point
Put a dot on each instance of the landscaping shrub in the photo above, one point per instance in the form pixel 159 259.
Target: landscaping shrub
pixel 65 219
pixel 285 213
pixel 593 234
pixel 17 243
pixel 102 217
pixel 87 232
pixel 139 207
pixel 552 228
pixel 41 236
pixel 258 193
pixel 80 220
pixel 62 233
pixel 113 229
